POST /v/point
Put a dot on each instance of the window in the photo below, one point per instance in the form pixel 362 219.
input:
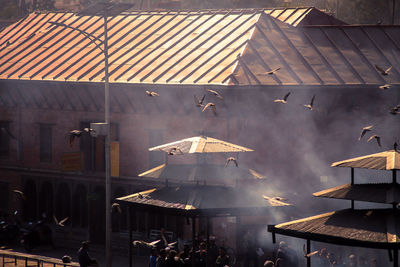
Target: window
pixel 4 139
pixel 46 146
pixel 93 148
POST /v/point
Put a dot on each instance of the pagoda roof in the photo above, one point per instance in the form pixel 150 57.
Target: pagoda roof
pixel 375 228
pixel 387 160
pixel 388 193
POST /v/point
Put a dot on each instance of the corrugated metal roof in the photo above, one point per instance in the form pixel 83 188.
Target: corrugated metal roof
pixel 221 47
pixel 388 160
pixel 196 172
pixel 303 16
pixel 376 227
pixel 200 144
pixel 378 193
pixel 198 197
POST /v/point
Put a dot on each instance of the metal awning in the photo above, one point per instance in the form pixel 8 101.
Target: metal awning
pixel 388 160
pixel 196 172
pixel 200 144
pixel 388 193
pixel 200 200
pixel 377 228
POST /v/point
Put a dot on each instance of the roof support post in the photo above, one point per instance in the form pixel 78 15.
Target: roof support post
pixel 395 257
pixel 394 175
pixel 130 235
pixel 352 204
pixel 193 238
pixel 352 176
pixel 208 239
pixel 390 255
pixel 308 251
pixel 273 237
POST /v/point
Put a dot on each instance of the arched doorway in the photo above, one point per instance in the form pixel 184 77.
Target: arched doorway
pixel 46 199
pixel 29 206
pixel 80 207
pixel 119 220
pixel 97 218
pixel 63 200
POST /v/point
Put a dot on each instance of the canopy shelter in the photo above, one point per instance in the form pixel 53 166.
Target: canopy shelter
pixel 387 160
pixel 198 201
pixel 378 193
pixel 196 172
pixel 373 228
pixel 199 144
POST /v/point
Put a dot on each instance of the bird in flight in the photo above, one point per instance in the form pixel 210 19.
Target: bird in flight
pixel 212 105
pixel 20 194
pixel 307 255
pixel 116 207
pixel 364 131
pixel 394 110
pixel 216 94
pixel 60 223
pixel 382 71
pixel 385 86
pixel 152 93
pixel 174 150
pixel 310 106
pixel 8 133
pixel 199 103
pixel 77 133
pixel 377 137
pixel 272 71
pixel 146 244
pixel 284 100
pixel 233 159
pixel 273 201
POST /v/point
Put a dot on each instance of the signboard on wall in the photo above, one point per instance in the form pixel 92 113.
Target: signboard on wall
pixel 114 151
pixel 72 161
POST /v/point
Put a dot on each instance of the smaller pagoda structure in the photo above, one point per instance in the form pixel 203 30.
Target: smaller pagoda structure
pixel 371 228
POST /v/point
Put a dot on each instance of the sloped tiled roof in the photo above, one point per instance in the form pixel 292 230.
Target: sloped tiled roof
pixel 220 47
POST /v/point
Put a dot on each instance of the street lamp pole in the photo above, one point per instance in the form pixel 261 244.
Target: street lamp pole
pixel 105 10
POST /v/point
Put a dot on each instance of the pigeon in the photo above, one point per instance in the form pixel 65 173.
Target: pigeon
pixel 216 94
pixel 233 159
pixel 171 245
pixel 146 244
pixel 394 110
pixel 274 202
pixel 60 223
pixel 20 193
pixel 152 93
pixel 77 133
pixel 199 103
pixel 212 105
pixel 364 131
pixel 382 71
pixel 272 71
pixel 174 150
pixel 377 137
pixel 385 86
pixel 115 207
pixel 307 255
pixel 8 133
pixel 284 100
pixel 310 106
